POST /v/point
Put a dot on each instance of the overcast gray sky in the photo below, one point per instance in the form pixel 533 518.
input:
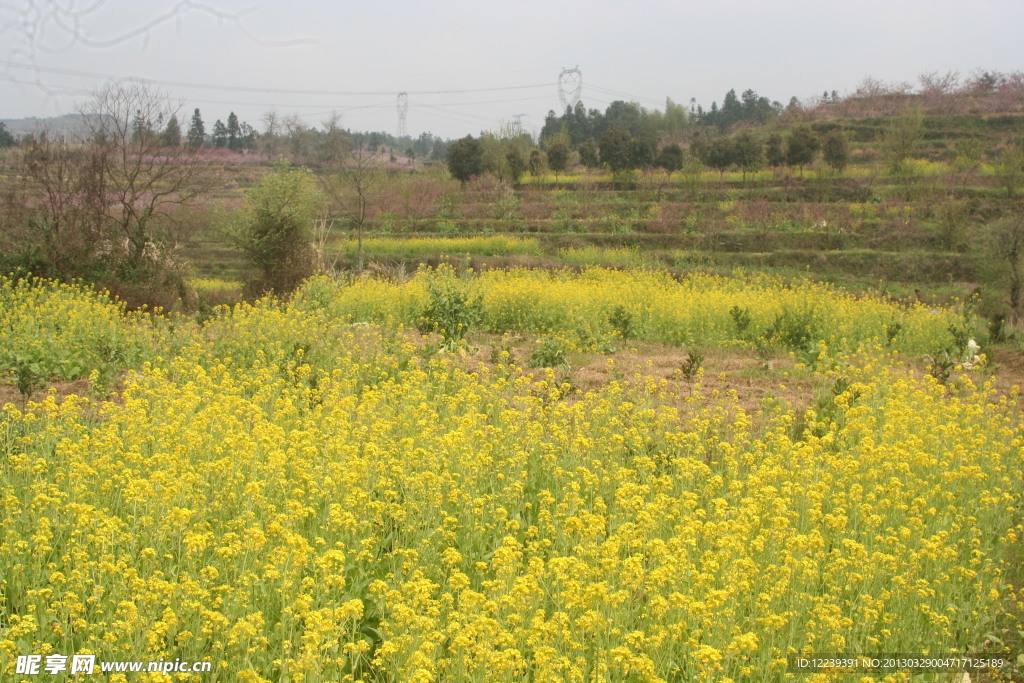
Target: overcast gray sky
pixel 469 66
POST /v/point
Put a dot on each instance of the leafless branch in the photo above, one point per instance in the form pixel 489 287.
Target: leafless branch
pixel 34 28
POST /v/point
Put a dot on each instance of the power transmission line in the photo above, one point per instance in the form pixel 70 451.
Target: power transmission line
pixel 263 89
pixel 570 86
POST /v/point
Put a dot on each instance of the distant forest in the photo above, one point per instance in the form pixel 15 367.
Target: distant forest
pixel 581 128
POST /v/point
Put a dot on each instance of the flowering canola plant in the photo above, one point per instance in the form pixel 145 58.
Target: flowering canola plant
pixel 694 309
pixel 295 498
pixel 66 331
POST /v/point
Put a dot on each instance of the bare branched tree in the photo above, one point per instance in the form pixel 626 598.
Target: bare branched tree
pixel 34 28
pixel 105 204
pixel 323 230
pixel 352 187
pixel 937 90
pixel 300 138
pixel 269 143
pixel 145 182
pixel 334 143
pixel 63 202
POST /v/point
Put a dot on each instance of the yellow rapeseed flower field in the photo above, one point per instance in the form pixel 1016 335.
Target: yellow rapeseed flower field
pixel 294 497
pixel 693 310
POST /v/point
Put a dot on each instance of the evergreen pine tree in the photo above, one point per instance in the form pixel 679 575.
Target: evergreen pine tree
pixel 219 137
pixel 247 137
pixel 234 133
pixel 172 134
pixel 196 131
pixel 140 128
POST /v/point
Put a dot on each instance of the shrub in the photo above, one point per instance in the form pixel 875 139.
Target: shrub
pixel 275 230
pixel 551 351
pixel 450 311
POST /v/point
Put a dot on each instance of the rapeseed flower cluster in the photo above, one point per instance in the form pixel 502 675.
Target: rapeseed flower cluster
pixel 648 305
pixel 63 331
pixel 295 498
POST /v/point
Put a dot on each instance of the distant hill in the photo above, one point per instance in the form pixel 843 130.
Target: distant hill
pixel 69 124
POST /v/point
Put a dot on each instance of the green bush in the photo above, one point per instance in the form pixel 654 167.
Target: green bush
pixel 551 352
pixel 275 229
pixel 450 310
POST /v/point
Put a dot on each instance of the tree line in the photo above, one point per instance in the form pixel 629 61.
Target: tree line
pixel 621 152
pixel 628 137
pixel 109 205
pixel 287 136
pixel 101 206
pixel 580 125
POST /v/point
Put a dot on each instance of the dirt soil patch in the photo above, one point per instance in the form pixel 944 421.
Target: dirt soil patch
pixel 727 375
pixel 9 393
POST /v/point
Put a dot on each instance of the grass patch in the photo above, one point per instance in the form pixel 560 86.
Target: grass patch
pixel 422 247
